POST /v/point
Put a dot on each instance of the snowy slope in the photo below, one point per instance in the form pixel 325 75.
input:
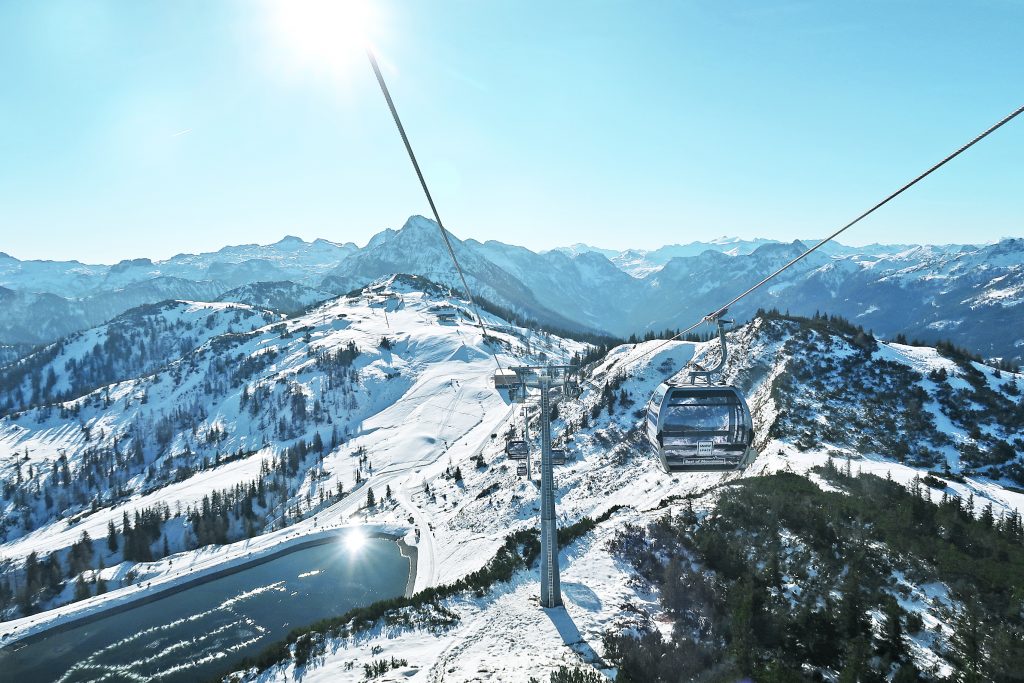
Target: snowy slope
pixel 131 345
pixel 284 297
pixel 503 635
pixel 404 404
pixel 409 411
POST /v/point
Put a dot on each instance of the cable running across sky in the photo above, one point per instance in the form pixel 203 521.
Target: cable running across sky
pixel 720 311
pixel 426 191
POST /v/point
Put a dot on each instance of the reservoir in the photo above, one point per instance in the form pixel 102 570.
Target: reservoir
pixel 204 629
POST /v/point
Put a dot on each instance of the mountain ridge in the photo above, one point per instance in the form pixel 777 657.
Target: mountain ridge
pixel 894 289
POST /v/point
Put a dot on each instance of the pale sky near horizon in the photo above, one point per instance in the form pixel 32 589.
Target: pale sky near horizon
pixel 150 129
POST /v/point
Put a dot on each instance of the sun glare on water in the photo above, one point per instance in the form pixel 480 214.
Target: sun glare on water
pixel 324 35
pixel 354 540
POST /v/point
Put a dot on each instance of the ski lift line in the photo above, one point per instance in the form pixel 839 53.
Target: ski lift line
pixel 426 191
pixel 717 313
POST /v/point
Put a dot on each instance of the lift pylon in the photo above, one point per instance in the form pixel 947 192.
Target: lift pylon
pixel 546 378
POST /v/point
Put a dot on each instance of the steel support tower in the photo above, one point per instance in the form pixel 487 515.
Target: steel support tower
pixel 547 378
pixel 550 587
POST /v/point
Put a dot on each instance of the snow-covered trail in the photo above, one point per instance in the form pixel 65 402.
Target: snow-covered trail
pixel 405 471
pixel 410 446
pixel 426 546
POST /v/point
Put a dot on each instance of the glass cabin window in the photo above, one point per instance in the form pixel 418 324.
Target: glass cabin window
pixel 698 418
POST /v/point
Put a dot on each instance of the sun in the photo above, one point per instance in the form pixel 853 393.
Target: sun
pixel 328 35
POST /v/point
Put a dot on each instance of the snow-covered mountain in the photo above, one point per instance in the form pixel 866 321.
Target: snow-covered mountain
pixel 38 318
pixel 642 262
pixel 966 293
pixel 584 286
pixel 581 248
pixel 284 297
pixel 132 345
pixel 172 403
pixel 41 301
pixel 372 391
pixel 972 296
pixel 491 271
pixel 291 258
pixel 617 575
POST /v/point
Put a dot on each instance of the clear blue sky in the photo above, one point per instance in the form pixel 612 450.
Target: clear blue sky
pixel 151 128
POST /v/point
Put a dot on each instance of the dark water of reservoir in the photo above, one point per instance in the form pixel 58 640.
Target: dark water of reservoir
pixel 202 630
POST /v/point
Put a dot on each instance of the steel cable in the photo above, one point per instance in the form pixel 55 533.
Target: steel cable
pixel 718 312
pixel 430 198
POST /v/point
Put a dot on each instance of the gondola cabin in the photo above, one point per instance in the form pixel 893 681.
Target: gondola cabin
pixel 517 450
pixel 700 428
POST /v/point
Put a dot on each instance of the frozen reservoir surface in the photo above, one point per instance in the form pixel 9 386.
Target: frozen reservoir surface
pixel 203 629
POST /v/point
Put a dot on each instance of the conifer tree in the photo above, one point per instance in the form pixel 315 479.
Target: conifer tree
pixel 111 536
pixel 742 639
pixel 891 646
pixel 968 645
pixel 81 589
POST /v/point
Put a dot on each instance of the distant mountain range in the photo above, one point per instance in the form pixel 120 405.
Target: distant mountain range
pixel 640 262
pixel 967 293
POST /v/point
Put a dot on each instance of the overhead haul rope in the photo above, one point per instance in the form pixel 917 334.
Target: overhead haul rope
pixel 719 312
pixel 430 198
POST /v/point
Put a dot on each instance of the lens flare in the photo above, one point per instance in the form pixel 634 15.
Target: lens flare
pixel 324 35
